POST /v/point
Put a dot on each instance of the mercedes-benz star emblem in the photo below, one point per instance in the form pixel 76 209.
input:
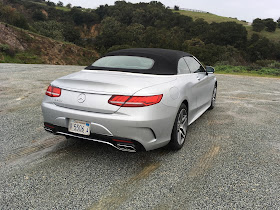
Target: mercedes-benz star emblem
pixel 81 98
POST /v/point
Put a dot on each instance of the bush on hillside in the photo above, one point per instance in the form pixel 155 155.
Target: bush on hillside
pixel 267 24
pixel 10 15
pixel 39 16
pixel 50 29
pixel 258 25
pixel 270 25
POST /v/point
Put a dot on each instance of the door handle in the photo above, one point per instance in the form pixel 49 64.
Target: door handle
pixel 198 78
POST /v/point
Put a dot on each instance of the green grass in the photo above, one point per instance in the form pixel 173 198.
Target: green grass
pixel 248 70
pixel 208 17
pixel 66 9
pixel 273 36
pixel 20 57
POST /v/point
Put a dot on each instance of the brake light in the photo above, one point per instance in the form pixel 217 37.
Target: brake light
pixel 53 91
pixel 134 101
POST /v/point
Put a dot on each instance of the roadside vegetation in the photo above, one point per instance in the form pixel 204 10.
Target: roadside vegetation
pixel 248 70
pixel 226 43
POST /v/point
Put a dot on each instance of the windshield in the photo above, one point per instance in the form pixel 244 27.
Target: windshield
pixel 124 62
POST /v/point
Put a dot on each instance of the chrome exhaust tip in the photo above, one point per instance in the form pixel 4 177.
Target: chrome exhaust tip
pixel 126 147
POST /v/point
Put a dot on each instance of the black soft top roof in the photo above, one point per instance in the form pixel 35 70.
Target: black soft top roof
pixel 166 61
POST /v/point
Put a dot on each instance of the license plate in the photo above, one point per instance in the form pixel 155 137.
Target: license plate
pixel 80 127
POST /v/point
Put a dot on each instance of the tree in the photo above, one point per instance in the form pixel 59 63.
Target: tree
pixel 278 22
pixel 12 16
pixel 133 34
pixel 69 5
pixel 71 34
pixel 199 28
pixel 122 12
pixel 258 25
pixel 176 7
pixel 39 16
pixel 227 33
pixel 109 34
pixel 60 4
pixel 102 11
pixel 80 17
pixel 270 25
pixel 254 38
pixel 51 4
pixel 260 50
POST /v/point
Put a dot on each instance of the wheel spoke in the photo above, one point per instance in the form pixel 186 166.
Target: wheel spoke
pixel 184 120
pixel 182 126
pixel 214 94
pixel 183 134
pixel 181 118
pixel 179 137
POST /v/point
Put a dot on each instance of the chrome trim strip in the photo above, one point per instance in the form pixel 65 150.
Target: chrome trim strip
pixel 110 134
pixel 96 140
pixel 48 129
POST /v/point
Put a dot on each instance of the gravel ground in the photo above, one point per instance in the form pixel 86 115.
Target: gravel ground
pixel 230 161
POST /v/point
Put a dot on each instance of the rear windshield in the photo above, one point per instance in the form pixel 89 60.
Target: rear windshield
pixel 124 62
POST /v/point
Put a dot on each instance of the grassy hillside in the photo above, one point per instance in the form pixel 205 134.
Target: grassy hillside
pixel 208 17
pixel 22 46
pixel 128 25
pixel 273 36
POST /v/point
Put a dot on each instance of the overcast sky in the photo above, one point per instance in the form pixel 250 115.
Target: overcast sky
pixel 241 9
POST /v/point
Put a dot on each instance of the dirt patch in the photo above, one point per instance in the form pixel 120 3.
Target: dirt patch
pixel 45 49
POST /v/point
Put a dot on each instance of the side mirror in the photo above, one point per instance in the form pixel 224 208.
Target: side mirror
pixel 210 69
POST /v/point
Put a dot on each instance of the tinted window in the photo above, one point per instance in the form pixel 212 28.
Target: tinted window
pixel 124 62
pixel 194 65
pixel 183 67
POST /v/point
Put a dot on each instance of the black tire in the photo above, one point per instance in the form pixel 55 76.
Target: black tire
pixel 213 99
pixel 180 127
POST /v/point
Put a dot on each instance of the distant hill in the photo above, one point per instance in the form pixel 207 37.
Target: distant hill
pixel 22 46
pixel 43 31
pixel 210 18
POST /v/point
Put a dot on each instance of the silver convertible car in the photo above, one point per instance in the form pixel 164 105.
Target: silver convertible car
pixel 132 99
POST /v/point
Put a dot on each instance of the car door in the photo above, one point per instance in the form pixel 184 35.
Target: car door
pixel 201 87
pixel 187 81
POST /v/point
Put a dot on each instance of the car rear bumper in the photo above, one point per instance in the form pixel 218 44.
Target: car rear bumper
pixel 127 145
pixel 146 130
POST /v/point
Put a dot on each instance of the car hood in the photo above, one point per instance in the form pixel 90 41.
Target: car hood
pixel 106 82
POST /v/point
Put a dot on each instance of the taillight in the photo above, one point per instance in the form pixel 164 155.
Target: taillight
pixel 134 101
pixel 53 91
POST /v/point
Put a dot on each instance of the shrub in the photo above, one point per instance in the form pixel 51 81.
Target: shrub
pixel 258 25
pixel 176 8
pixel 50 29
pixel 71 34
pixel 51 4
pixel 270 25
pixel 118 47
pixel 268 63
pixel 39 16
pixel 4 47
pixel 60 4
pixel 7 50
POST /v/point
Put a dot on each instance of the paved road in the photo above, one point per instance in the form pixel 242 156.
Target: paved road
pixel 231 159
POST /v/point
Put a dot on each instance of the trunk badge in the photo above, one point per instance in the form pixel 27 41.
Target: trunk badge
pixel 81 98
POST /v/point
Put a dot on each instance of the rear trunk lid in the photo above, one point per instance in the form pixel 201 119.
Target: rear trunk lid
pixel 90 90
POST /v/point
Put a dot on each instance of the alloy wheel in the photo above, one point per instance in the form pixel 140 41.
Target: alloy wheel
pixel 182 125
pixel 214 96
